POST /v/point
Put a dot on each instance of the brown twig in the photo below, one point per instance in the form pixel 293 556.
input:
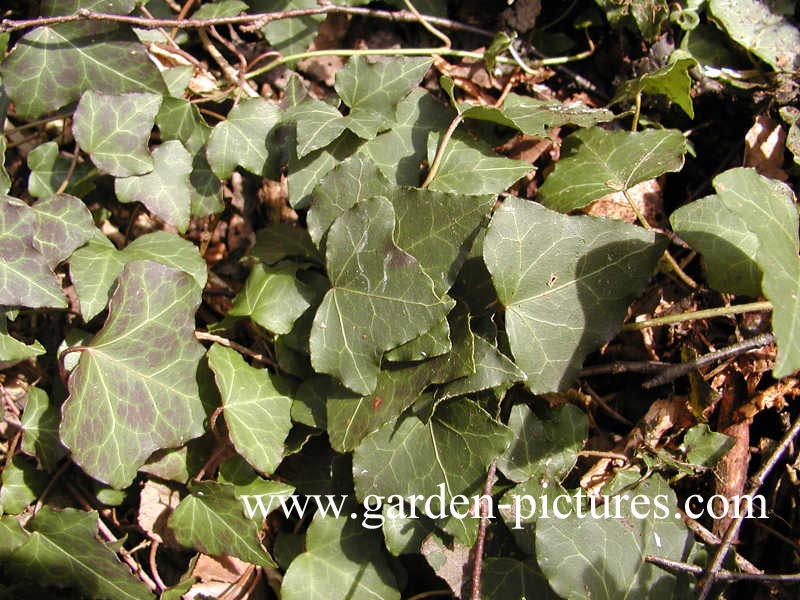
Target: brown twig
pixel 248 22
pixel 477 550
pixel 70 171
pixel 722 575
pixel 210 337
pixel 756 482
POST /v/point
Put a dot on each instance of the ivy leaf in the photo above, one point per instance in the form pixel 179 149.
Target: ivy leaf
pixel 342 559
pixel 63 551
pixel 470 166
pixel 25 277
pixel 595 162
pixel 49 169
pixel 165 191
pixel 95 266
pixel 349 418
pixel 289 36
pixel 434 342
pixel 370 275
pixel 565 282
pixel 350 182
pixel 451 452
pixel 21 484
pixel 273 297
pixel 535 117
pixel 705 447
pixel 50 67
pixel 318 123
pixel 124 404
pixel 648 16
pixel 399 152
pixel 5 180
pixel 40 421
pixel 305 173
pixel 244 139
pixel 758 28
pixel 544 447
pixel 509 579
pixel 114 130
pixel 372 90
pixel 727 244
pixel 672 81
pixel 766 210
pixel 63 223
pixel 211 521
pixel 256 408
pixel 13 350
pixel 277 241
pixel 574 553
pixel 12 536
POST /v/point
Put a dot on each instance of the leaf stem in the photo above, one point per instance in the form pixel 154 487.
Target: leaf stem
pixel 477 550
pixel 637 110
pixel 437 159
pixel 427 25
pixel 708 313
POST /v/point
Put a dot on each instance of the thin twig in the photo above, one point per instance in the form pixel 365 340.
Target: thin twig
pixel 733 529
pixel 675 371
pixel 615 368
pixel 709 538
pixel 722 575
pixel 71 171
pixel 56 476
pixel 249 22
pixel 477 550
pixel 708 313
pixel 437 158
pixel 232 74
pixel 427 25
pixel 204 335
pixel 154 565
pixel 605 406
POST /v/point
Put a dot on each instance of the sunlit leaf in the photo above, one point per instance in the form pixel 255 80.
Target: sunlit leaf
pixel 13 350
pixel 21 483
pixel 318 124
pixel 165 191
pixel 595 162
pixel 370 275
pixel 63 551
pixel 672 81
pixel 125 404
pixel 565 282
pixel 50 67
pixel 49 169
pixel 63 223
pixel 255 405
pixel 114 130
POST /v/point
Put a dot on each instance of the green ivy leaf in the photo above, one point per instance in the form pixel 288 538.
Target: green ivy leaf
pixel 409 456
pixel 350 182
pixel 178 119
pixel 224 8
pixel 95 266
pixel 12 350
pixel 565 282
pixel 21 484
pixel 5 180
pixel 62 551
pixel 244 139
pixel 305 173
pixel 509 579
pixel 12 536
pixel 25 277
pixel 604 558
pixel 49 169
pixel 349 418
pixel 372 90
pixel 40 421
pixel 766 210
pixel 273 297
pixel 399 152
pixel 63 224
pixel 342 560
pixel 50 67
pixel 704 447
pixel 758 28
pixel 595 162
pixel 544 447
pixel 434 342
pixel 277 241
pixel 165 191
pixel 672 81
pixel 370 275
pixel 470 166
pixel 318 123
pixel 648 16
pixel 289 36
pixel 211 520
pixel 256 408
pixel 124 404
pixel 535 117
pixel 114 130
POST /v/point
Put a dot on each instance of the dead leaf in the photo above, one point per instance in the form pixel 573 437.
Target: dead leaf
pixel 647 196
pixel 764 146
pixel 451 564
pixel 156 503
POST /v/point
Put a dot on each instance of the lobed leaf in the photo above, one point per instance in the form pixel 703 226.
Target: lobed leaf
pixel 125 404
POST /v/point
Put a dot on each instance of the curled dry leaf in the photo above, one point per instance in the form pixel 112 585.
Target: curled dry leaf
pixel 764 146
